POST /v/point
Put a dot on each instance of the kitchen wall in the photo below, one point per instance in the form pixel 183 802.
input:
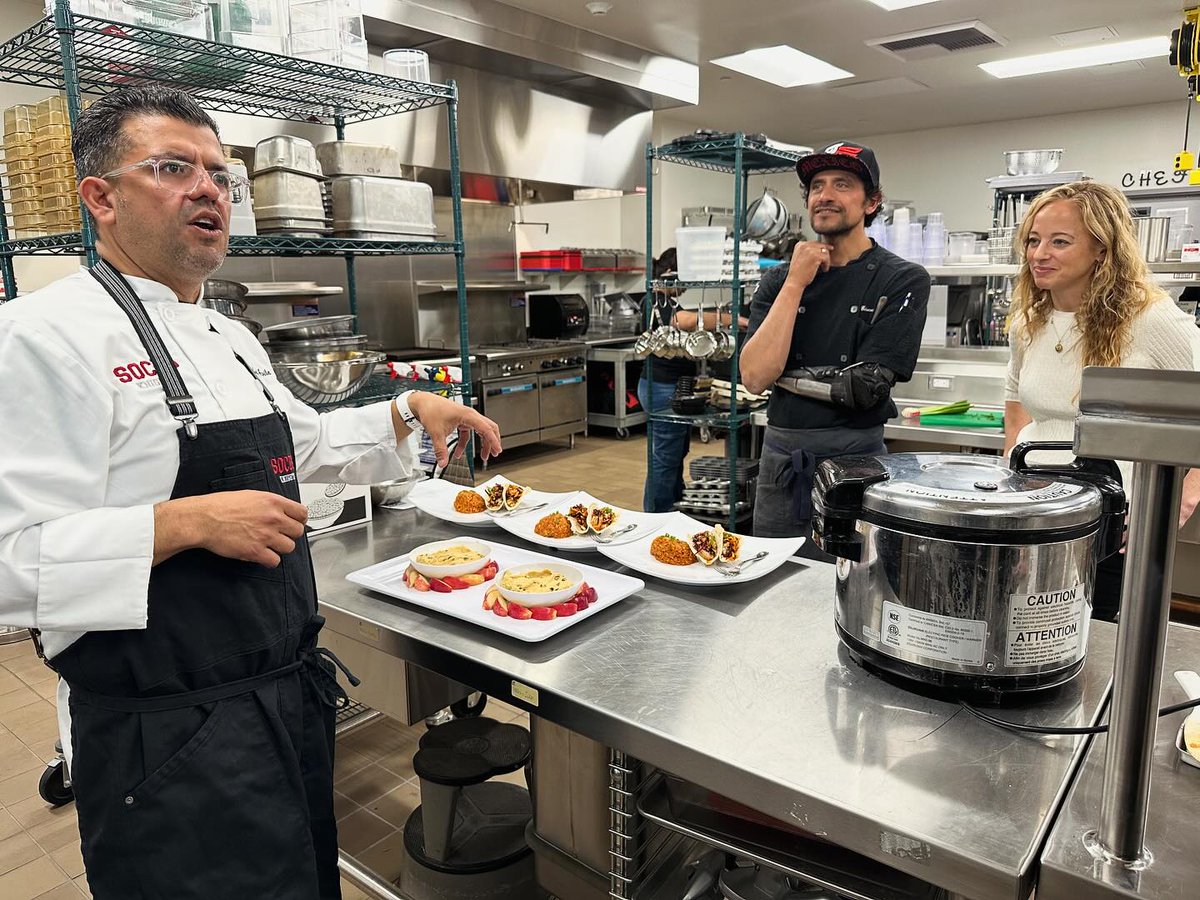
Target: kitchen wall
pixel 945 169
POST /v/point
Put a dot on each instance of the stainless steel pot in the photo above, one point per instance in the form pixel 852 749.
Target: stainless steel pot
pixel 766 217
pixel 956 570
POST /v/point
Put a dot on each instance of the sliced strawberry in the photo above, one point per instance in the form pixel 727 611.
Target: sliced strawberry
pixel 471 580
pixel 544 613
pixel 499 610
pixel 517 611
pixel 455 582
pixel 440 586
pixel 566 609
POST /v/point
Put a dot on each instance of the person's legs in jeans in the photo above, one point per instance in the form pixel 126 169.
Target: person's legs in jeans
pixel 664 478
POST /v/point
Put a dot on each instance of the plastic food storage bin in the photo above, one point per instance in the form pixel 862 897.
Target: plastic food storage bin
pixel 700 251
pixel 411 65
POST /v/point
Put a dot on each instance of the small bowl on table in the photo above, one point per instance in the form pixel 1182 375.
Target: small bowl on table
pixel 465 568
pixel 548 598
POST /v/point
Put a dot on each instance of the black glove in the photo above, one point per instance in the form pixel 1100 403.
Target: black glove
pixel 862 387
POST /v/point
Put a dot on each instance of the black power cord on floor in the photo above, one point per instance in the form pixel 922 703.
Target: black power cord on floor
pixel 1025 728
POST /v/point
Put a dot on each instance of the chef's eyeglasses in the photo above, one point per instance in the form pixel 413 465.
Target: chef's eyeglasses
pixel 181 177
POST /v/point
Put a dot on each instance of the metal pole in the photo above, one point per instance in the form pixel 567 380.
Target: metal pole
pixel 740 181
pixel 648 313
pixel 1141 642
pixel 64 25
pixel 460 263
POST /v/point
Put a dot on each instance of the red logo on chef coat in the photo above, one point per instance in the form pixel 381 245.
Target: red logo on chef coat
pixel 137 371
pixel 283 465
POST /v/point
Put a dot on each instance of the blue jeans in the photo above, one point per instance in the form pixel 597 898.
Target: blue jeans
pixel 664 479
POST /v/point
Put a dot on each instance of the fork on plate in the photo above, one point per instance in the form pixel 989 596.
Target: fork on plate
pixel 608 537
pixel 732 569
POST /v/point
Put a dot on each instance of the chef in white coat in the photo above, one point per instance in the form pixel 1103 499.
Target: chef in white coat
pixel 150 530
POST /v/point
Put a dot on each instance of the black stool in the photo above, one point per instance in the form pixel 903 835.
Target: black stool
pixel 466 825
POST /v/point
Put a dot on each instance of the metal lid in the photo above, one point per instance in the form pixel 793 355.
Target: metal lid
pixel 979 493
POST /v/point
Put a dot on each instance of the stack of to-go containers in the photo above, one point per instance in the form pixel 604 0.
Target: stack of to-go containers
pixel 40 170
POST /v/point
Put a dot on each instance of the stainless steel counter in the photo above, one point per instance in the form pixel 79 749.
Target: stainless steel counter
pixel 745 690
pixel 607 340
pixel 902 429
pixel 1069 872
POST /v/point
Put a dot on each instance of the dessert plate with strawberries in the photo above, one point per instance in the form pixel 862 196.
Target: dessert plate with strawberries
pixel 579 591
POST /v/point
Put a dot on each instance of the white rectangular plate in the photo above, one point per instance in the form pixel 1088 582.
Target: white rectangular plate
pixel 467 604
pixel 522 524
pixel 436 497
pixel 636 555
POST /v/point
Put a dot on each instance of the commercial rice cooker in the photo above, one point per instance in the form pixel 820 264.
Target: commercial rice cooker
pixel 960 571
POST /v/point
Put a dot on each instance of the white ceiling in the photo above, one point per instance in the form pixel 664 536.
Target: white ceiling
pixel 835 30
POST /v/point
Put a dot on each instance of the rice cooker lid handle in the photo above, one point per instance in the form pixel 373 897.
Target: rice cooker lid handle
pixel 1102 474
pixel 838 489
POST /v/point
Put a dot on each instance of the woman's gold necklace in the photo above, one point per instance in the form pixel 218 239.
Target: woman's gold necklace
pixel 1058 347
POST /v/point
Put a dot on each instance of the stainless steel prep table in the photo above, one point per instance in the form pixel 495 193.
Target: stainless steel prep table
pixel 1069 872
pixel 619 352
pixel 746 691
pixel 902 429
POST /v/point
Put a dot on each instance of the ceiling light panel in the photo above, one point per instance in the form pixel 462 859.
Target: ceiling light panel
pixel 783 66
pixel 1079 57
pixel 893 5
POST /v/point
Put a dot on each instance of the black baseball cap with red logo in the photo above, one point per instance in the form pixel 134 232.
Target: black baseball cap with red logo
pixel 843 155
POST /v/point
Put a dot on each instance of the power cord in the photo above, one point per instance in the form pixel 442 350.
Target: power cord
pixel 1025 728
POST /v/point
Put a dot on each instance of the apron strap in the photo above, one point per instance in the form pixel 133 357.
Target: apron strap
pixel 179 401
pixel 184 699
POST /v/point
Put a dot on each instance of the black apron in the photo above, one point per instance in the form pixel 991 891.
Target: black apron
pixel 203 763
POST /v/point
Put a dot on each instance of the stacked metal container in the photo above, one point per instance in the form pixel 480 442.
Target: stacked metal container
pixel 368 197
pixel 287 188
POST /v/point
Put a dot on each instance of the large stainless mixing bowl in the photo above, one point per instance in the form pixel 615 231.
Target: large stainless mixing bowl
pixel 1032 162
pixel 328 377
pixel 300 351
pixel 308 329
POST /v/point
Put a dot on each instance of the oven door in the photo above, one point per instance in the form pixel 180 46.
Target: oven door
pixel 512 403
pixel 564 403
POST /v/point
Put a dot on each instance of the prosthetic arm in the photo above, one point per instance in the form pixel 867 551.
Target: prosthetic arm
pixel 857 387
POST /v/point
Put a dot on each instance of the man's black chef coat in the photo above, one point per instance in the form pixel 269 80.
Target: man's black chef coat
pixel 833 328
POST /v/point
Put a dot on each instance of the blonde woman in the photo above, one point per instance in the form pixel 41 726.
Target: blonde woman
pixel 1085 297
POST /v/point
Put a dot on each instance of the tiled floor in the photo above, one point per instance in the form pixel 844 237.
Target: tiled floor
pixel 375 788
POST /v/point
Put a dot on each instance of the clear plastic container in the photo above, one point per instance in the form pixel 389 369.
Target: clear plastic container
pixel 47 130
pixel 56 202
pixel 410 65
pixel 58 173
pixel 26 207
pixel 962 243
pixel 18 119
pixel 700 251
pixel 54 159
pixel 253 40
pixel 20 166
pixel 51 117
pixel 22 194
pixel 329 46
pixel 17 180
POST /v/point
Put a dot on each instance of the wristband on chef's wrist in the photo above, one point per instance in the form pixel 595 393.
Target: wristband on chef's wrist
pixel 406 413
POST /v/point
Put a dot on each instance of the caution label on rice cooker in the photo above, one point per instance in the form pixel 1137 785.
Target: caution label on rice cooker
pixel 1047 627
pixel 933 636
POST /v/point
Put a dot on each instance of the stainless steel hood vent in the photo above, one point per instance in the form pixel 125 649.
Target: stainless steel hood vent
pixel 559 58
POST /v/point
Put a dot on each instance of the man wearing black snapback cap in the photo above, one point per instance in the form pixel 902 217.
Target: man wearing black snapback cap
pixel 830 333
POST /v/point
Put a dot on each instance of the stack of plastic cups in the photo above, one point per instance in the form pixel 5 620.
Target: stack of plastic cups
pixel 916 242
pixel 899 236
pixel 878 231
pixel 935 240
